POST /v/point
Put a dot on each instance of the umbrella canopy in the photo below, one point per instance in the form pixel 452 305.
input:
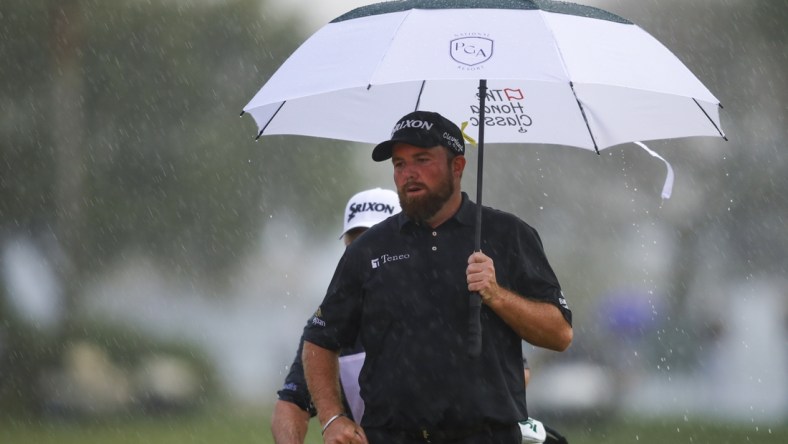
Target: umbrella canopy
pixel 508 71
pixel 557 73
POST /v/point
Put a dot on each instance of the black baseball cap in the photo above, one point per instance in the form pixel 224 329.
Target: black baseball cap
pixel 424 129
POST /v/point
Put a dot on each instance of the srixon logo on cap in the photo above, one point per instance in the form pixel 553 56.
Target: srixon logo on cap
pixel 362 207
pixel 419 124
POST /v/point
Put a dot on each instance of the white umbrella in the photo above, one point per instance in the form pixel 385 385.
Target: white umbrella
pixel 548 72
pixel 557 73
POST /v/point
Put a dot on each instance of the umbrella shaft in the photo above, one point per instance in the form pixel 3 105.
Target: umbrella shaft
pixel 475 301
pixel 480 165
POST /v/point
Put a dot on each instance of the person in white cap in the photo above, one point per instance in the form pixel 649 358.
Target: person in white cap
pixel 366 209
pixel 294 408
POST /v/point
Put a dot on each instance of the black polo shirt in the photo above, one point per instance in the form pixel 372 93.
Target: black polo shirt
pixel 295 389
pixel 403 288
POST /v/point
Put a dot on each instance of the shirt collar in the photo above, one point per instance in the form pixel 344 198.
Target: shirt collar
pixel 466 215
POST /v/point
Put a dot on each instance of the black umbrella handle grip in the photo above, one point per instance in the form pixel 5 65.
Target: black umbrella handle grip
pixel 474 325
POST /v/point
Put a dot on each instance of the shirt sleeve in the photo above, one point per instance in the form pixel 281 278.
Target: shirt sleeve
pixel 295 389
pixel 535 277
pixel 336 322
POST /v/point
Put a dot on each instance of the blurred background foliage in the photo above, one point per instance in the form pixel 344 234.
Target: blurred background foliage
pixel 120 133
pixel 157 162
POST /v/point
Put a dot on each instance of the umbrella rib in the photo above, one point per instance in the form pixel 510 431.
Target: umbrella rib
pixel 418 99
pixel 710 120
pixel 583 113
pixel 571 85
pixel 269 120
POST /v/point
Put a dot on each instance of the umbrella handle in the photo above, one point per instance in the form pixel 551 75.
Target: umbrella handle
pixel 475 300
pixel 474 325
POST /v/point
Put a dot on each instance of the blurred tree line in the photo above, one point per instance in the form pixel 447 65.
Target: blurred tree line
pixel 120 132
pixel 737 49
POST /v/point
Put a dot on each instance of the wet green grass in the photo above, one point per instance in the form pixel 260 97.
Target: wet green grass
pixel 202 428
pixel 253 427
pixel 662 431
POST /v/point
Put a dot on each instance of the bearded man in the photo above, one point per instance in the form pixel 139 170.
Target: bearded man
pixel 404 287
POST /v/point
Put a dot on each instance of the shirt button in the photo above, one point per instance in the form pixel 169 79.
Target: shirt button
pixel 434 233
pixel 434 248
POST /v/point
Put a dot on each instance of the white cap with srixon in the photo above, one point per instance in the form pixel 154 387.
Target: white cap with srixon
pixel 369 207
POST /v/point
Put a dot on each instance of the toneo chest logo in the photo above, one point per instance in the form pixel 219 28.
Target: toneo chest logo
pixel 386 258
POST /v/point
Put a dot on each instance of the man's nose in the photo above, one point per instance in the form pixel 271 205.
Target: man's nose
pixel 410 171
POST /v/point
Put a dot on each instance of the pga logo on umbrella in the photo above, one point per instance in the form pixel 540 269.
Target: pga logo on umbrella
pixel 471 51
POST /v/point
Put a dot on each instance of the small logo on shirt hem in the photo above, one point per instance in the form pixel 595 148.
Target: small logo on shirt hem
pixel 562 301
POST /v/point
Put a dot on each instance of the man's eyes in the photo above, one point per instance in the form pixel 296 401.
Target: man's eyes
pixel 419 160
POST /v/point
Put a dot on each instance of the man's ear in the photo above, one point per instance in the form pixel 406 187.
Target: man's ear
pixel 458 165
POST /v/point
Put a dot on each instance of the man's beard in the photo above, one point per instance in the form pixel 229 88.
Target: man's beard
pixel 421 209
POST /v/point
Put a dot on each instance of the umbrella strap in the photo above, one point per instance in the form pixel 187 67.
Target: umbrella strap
pixel 465 136
pixel 667 188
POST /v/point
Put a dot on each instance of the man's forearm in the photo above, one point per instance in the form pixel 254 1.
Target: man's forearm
pixel 321 368
pixel 539 323
pixel 289 423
